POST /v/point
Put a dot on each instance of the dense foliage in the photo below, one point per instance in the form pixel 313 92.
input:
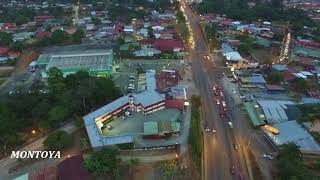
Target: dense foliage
pixel 58 140
pixel 195 138
pixel 290 163
pixel 47 106
pixel 103 162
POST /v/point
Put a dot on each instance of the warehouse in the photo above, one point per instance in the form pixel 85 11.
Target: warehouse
pixel 96 62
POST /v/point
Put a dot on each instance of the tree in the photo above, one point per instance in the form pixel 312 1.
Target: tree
pixel 300 84
pixel 55 81
pixel 59 36
pixel 77 36
pixel 140 70
pixel 57 115
pixel 5 39
pixel 275 77
pixel 58 140
pixel 150 32
pixel 104 162
pixel 96 21
pixel 290 162
pixel 244 48
pixel 17 46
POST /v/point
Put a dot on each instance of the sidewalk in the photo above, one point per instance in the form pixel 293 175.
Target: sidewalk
pixel 6 163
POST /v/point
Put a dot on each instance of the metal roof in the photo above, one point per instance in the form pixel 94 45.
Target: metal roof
pixel 275 110
pixel 145 98
pixel 292 131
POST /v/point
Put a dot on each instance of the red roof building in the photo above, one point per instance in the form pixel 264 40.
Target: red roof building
pixel 288 76
pixel 73 169
pixel 43 18
pixel 8 26
pixel 41 35
pixel 166 79
pixel 175 103
pixel 306 43
pixel 168 45
pixel 3 51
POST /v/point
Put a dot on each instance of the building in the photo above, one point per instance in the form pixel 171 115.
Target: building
pixel 96 62
pixel 291 131
pixel 147 101
pixel 73 168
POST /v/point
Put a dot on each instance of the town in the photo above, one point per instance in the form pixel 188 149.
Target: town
pixel 159 89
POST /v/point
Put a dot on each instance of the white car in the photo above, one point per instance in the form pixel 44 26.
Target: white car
pixel 214 131
pixel 218 101
pixel 224 104
pixel 230 124
pixel 268 156
pixel 109 127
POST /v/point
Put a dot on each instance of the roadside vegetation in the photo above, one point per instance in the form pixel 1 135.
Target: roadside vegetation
pixel 210 32
pixel 195 137
pixel 47 106
pixel 58 140
pixel 291 165
pixel 181 23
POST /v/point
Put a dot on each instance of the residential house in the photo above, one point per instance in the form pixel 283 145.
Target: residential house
pixel 146 52
pixel 18 37
pixel 168 45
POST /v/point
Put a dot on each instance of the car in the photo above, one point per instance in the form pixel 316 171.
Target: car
pixel 221 94
pixel 128 113
pixel 224 104
pixel 109 127
pixel 268 156
pixel 214 131
pixel 236 146
pixel 218 101
pixel 207 129
pixel 233 91
pixel 232 169
pixel 230 124
pixel 214 88
pixel 123 117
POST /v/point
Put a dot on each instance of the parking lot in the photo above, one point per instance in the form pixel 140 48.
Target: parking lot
pixel 134 125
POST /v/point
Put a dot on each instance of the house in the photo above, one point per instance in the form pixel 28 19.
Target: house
pixel 128 29
pixel 146 52
pixel 254 79
pixel 42 35
pixel 41 19
pixel 8 27
pixel 278 68
pixel 168 45
pixel 17 37
pixel 73 168
pixel 3 51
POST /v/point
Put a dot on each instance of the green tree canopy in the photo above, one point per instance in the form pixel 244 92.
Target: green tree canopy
pixel 58 140
pixel 59 36
pixel 5 39
pixel 104 162
pixel 275 77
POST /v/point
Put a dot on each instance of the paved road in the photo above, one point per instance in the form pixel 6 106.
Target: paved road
pixel 219 153
pixel 7 163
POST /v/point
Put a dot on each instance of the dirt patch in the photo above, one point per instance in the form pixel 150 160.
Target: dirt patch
pixel 263 55
pixel 24 60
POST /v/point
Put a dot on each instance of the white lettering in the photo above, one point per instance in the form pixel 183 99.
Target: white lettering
pixel 37 154
pixel 44 154
pixel 23 154
pixel 15 154
pixel 30 154
pixel 58 155
pixel 51 153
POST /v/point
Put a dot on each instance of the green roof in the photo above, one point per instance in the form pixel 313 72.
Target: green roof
pixel 150 128
pixel 256 121
pixel 307 51
pixel 262 42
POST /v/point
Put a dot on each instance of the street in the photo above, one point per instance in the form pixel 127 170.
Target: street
pixel 220 156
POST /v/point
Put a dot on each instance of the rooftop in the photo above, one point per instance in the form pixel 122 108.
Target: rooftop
pixel 291 131
pixel 275 111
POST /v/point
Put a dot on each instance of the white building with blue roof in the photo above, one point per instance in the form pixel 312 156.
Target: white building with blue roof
pixel 147 101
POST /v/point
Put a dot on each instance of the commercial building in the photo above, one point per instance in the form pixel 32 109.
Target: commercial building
pixel 147 101
pixel 96 62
